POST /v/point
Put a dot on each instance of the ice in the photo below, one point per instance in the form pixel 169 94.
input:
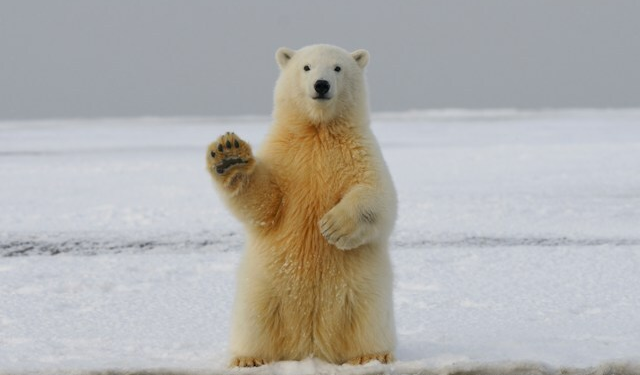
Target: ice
pixel 517 248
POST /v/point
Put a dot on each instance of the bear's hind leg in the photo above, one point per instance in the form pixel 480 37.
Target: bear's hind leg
pixel 258 331
pixel 356 328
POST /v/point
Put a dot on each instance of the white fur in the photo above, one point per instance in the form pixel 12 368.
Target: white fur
pixel 295 87
pixel 315 279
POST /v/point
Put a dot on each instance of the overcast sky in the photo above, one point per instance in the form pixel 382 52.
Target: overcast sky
pixel 83 58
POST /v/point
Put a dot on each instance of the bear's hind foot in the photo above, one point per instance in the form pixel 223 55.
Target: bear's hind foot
pixel 247 362
pixel 383 358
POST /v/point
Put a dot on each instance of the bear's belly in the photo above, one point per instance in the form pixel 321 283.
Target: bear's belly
pixel 319 292
pixel 300 255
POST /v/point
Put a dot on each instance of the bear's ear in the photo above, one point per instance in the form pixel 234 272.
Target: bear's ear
pixel 283 55
pixel 361 56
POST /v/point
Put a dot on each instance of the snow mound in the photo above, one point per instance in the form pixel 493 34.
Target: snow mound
pixel 317 367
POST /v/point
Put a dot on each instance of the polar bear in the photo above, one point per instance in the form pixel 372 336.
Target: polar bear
pixel 318 205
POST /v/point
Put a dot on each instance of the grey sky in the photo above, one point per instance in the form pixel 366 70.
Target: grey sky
pixel 85 58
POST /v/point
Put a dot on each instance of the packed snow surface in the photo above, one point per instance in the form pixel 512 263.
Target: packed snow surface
pixel 516 250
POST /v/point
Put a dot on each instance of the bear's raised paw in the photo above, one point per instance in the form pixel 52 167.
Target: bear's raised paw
pixel 226 152
pixel 230 161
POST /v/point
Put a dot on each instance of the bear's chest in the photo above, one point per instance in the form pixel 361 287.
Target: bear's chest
pixel 321 172
pixel 315 172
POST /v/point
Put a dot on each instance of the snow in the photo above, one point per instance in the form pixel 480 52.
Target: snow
pixel 517 248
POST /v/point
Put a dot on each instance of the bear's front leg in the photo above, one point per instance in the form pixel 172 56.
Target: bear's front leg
pixel 230 162
pixel 352 222
pixel 248 187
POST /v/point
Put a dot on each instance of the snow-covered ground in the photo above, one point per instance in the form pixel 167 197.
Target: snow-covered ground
pixel 517 248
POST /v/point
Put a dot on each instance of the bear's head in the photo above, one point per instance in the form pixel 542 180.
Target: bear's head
pixel 320 84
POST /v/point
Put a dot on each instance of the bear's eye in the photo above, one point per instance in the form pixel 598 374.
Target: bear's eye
pixel 337 69
pixel 306 68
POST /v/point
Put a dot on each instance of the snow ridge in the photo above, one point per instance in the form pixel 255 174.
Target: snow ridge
pixel 317 367
pixel 183 242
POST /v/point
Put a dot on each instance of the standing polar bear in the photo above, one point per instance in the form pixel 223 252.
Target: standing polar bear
pixel 318 205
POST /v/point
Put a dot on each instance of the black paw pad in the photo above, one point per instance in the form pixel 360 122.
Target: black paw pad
pixel 228 144
pixel 213 154
pixel 220 147
pixel 236 143
pixel 228 163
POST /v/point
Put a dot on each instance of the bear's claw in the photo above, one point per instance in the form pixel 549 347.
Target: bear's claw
pixel 380 357
pixel 247 362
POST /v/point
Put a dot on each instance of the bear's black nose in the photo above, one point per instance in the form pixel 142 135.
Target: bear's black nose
pixel 321 86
